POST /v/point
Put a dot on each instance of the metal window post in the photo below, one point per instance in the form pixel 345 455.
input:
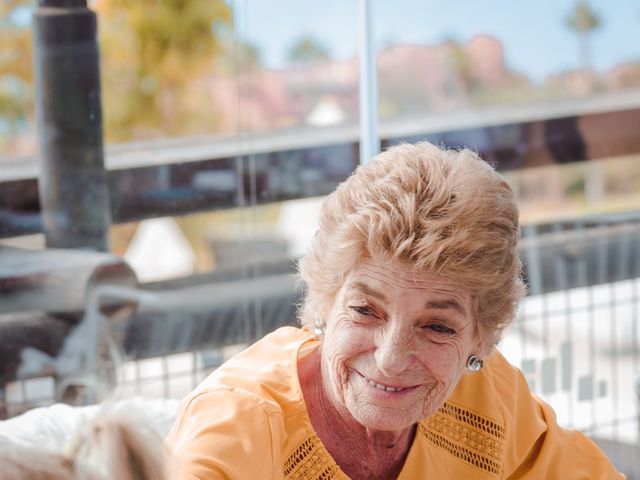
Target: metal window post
pixel 369 140
pixel 74 195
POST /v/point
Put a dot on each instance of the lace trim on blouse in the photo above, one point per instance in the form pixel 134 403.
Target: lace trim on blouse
pixel 468 436
pixel 474 439
pixel 309 462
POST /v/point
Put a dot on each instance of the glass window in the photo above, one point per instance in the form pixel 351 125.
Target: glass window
pixel 226 123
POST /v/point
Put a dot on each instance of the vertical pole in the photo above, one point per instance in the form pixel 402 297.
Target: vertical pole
pixel 74 194
pixel 533 263
pixel 369 140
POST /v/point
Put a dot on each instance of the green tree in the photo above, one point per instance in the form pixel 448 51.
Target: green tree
pixel 460 65
pixel 583 20
pixel 249 56
pixel 306 50
pixel 153 52
pixel 241 57
pixel 16 78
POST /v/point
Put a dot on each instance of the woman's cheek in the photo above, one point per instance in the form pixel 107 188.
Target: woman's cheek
pixel 442 362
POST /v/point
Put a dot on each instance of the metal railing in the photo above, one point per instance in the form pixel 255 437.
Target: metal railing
pixel 576 337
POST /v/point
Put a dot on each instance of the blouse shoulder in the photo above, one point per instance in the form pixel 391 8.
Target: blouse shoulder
pixel 235 423
pixel 224 433
pixel 267 369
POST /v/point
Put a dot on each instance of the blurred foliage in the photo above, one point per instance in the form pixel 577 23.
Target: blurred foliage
pixel 460 65
pixel 306 50
pixel 240 56
pixel 246 58
pixel 152 54
pixel 16 78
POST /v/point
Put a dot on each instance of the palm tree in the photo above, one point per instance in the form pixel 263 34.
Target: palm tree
pixel 583 20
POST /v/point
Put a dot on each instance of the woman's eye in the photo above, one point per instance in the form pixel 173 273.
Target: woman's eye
pixel 363 310
pixel 439 328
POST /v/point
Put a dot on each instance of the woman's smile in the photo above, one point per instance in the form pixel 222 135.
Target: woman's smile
pixel 385 386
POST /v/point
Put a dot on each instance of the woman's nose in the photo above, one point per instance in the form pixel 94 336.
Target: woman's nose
pixel 393 353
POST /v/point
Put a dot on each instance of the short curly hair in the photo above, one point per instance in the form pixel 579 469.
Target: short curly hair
pixel 443 211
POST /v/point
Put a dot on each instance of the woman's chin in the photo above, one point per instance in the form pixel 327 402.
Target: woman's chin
pixel 377 409
pixel 383 419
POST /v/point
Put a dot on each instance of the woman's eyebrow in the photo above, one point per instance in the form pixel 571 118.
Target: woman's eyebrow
pixel 366 289
pixel 448 304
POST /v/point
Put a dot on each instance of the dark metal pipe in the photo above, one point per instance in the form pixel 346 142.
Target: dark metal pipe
pixel 74 195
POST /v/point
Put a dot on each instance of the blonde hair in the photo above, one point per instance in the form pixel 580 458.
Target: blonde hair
pixel 116 444
pixel 442 211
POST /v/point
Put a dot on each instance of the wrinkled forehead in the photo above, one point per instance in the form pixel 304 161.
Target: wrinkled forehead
pixel 390 281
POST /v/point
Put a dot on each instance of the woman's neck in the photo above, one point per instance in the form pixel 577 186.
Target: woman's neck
pixel 358 451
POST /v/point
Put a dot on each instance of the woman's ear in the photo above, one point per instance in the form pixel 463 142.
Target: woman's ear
pixel 485 341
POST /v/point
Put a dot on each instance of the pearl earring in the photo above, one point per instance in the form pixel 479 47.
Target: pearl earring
pixel 474 363
pixel 318 329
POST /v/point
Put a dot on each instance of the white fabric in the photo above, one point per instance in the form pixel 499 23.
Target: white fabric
pixel 50 427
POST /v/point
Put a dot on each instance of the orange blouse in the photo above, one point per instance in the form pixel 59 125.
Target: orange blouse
pixel 248 420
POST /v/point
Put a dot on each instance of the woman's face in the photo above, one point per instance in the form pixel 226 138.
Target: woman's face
pixel 396 343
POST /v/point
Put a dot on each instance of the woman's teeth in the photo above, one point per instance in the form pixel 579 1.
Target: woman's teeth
pixel 379 386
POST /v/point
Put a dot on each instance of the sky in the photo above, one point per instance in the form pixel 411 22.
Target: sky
pixel 534 35
pixel 533 32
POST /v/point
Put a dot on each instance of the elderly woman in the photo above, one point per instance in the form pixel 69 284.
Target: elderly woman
pixel 411 278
